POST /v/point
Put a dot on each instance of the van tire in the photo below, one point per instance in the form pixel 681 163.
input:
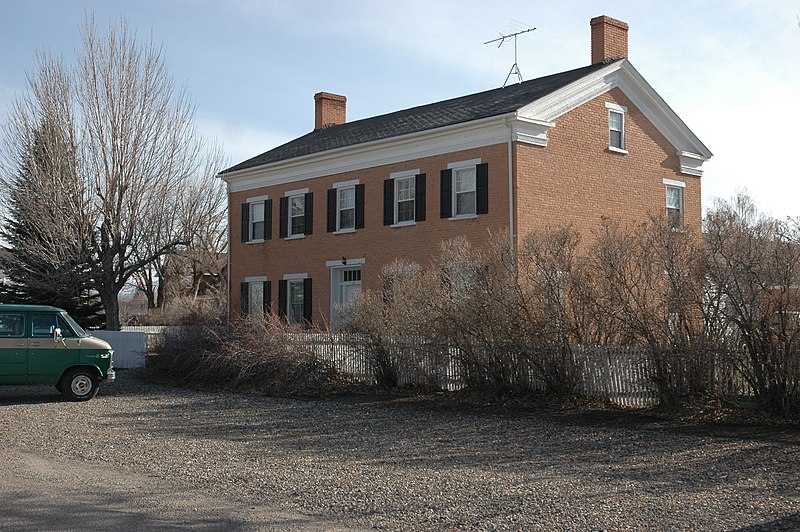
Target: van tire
pixel 79 384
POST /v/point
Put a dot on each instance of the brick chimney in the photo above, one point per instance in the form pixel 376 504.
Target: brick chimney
pixel 329 110
pixel 609 39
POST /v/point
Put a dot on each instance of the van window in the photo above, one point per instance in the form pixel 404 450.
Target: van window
pixel 43 325
pixel 12 325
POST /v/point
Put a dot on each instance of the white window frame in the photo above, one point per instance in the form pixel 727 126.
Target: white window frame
pixel 255 283
pixel 413 180
pixel 453 198
pixel 473 191
pixel 340 191
pixel 251 203
pixel 621 110
pixel 680 186
pixel 289 232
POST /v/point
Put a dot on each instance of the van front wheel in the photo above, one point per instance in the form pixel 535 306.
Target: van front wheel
pixel 79 385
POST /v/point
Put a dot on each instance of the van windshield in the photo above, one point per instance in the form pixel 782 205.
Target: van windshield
pixel 74 325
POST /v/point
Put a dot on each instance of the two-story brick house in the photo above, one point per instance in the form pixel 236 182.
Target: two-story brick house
pixel 313 219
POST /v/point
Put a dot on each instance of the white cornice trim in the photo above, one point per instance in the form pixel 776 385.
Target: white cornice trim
pixel 458 137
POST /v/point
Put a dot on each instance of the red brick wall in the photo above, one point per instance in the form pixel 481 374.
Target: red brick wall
pixel 376 243
pixel 577 180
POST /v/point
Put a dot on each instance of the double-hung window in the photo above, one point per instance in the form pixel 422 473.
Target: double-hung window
pixel 257 219
pixel 255 296
pixel 404 192
pixel 465 189
pixel 464 193
pixel 296 219
pixel 297 210
pixel 404 198
pixel 346 206
pixel 294 298
pixel 616 127
pixel 675 202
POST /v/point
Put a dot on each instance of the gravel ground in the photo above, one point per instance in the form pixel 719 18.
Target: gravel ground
pixel 410 464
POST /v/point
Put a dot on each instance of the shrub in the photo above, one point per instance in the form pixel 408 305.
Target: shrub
pixel 262 355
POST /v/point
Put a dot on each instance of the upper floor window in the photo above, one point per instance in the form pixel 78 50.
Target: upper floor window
pixel 346 206
pixel 675 202
pixel 404 198
pixel 257 219
pixel 346 210
pixel 296 213
pixel 465 189
pixel 616 127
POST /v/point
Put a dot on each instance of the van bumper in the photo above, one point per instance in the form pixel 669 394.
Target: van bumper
pixel 111 375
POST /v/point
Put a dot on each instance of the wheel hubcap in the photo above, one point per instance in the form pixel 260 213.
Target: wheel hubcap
pixel 81 385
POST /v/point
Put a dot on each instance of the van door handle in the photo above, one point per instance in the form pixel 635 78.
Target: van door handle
pixel 21 345
pixel 33 343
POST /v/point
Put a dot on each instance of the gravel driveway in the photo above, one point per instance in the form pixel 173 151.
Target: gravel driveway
pixel 170 458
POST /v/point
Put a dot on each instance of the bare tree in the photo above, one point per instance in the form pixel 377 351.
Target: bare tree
pixel 135 148
pixel 753 264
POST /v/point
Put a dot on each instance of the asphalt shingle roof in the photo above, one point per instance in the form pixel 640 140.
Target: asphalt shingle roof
pixel 485 104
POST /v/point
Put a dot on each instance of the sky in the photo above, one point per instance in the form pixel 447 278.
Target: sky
pixel 728 68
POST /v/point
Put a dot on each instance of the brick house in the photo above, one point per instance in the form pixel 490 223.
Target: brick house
pixel 313 219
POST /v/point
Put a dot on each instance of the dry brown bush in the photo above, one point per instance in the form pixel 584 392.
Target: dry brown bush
pixel 263 355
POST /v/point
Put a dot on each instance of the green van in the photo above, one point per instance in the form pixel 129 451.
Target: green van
pixel 44 345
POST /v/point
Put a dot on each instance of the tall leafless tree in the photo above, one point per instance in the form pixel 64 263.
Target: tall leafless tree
pixel 135 148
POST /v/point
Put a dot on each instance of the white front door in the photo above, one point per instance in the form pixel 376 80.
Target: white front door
pixel 346 288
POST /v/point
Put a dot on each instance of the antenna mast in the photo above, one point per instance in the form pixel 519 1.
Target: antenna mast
pixel 502 39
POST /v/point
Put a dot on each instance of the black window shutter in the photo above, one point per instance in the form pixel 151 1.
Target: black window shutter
pixel 482 188
pixel 388 201
pixel 309 213
pixel 284 221
pixel 307 301
pixel 245 222
pixel 419 197
pixel 447 194
pixel 282 286
pixel 268 219
pixel 360 206
pixel 267 297
pixel 244 298
pixel 331 210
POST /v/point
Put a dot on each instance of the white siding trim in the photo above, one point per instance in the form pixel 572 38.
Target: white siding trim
pixel 616 107
pixel 295 276
pixel 257 199
pixel 256 279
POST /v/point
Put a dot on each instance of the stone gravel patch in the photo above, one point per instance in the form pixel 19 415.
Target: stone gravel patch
pixel 399 464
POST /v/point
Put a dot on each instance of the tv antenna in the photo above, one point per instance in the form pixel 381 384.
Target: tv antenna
pixel 502 39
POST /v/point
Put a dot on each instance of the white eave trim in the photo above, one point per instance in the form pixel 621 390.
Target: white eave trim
pixel 440 141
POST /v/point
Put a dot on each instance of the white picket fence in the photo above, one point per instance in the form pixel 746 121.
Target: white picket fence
pixel 619 374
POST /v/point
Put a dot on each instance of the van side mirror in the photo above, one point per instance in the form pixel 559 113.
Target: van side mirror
pixel 57 334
